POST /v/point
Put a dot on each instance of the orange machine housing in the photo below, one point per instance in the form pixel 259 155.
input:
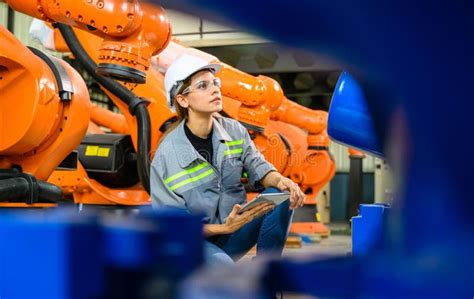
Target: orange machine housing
pixel 86 190
pixel 294 138
pixel 38 129
pixel 130 35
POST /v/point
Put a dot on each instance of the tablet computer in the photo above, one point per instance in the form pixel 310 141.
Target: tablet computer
pixel 276 198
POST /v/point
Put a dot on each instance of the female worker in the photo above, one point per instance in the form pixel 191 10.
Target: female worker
pixel 199 164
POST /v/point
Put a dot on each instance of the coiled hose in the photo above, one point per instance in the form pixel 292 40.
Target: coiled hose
pixel 136 106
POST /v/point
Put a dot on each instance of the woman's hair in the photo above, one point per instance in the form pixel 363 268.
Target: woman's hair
pixel 181 112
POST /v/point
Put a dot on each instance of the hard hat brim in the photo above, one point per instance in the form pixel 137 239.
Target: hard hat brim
pixel 213 68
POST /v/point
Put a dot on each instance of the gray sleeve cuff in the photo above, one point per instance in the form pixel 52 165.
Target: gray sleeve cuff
pixel 259 172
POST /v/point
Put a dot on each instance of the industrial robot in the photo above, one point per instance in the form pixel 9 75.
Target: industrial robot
pixel 113 169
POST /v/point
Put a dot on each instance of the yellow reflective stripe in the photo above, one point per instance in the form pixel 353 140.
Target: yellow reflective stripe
pixel 235 142
pixel 187 171
pixel 233 151
pixel 193 179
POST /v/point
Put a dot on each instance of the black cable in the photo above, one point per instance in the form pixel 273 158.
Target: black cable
pixel 135 104
pixel 20 187
pixel 11 20
pixel 48 192
pixel 13 188
pixel 144 129
pixel 90 66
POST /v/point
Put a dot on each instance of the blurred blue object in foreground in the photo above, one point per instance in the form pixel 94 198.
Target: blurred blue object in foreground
pixel 367 228
pixel 47 255
pixel 349 120
pixel 60 254
pixel 413 60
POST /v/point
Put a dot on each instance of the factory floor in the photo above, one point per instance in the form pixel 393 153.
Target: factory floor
pixel 337 243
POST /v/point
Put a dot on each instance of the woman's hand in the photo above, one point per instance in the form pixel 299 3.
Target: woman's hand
pixel 235 220
pixel 296 195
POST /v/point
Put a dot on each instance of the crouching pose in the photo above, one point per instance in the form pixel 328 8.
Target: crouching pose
pixel 199 164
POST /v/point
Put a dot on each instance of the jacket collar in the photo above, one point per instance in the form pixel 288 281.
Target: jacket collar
pixel 219 131
pixel 185 151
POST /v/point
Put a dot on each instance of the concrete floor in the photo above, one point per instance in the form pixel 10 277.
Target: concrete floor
pixel 338 243
pixel 330 246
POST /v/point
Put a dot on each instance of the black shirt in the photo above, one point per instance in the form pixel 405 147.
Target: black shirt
pixel 202 145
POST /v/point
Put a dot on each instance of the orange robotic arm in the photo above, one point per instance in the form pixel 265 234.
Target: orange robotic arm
pixel 313 121
pixel 255 98
pixel 260 104
pixel 39 125
pixel 44 113
pixel 86 190
pixel 131 35
pixel 259 96
pixel 152 91
pixel 106 118
pixel 50 121
pixel 303 156
pixel 300 152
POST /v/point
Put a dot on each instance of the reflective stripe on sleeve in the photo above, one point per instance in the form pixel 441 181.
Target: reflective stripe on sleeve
pixel 235 147
pixel 192 179
pixel 235 142
pixel 233 151
pixel 185 172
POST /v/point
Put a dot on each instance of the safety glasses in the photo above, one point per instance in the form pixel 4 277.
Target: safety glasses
pixel 202 86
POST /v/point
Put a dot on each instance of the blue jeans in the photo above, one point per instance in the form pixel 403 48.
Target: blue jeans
pixel 269 232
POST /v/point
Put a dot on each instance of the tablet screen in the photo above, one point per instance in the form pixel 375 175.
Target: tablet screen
pixel 276 198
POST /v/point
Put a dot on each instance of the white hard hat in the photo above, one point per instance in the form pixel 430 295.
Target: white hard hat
pixel 181 69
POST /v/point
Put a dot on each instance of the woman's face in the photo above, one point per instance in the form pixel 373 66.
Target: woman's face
pixel 203 95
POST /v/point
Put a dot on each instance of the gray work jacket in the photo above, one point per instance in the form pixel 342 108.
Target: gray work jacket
pixel 182 178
